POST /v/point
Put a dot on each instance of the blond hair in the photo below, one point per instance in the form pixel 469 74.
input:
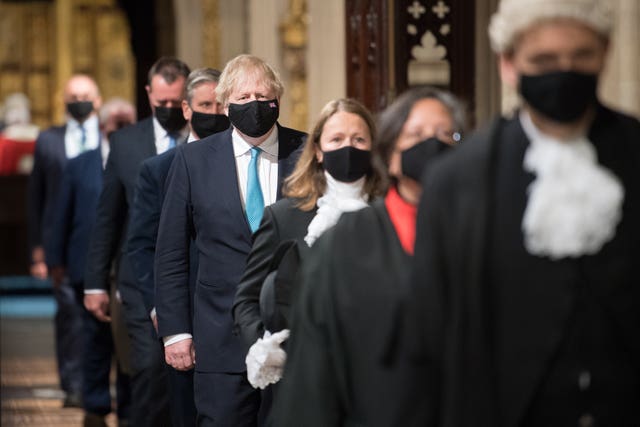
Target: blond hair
pixel 307 182
pixel 239 68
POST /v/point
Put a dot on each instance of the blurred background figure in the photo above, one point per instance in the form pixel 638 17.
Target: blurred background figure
pixel 129 147
pixel 17 136
pixel 345 347
pixel 54 147
pixel 66 253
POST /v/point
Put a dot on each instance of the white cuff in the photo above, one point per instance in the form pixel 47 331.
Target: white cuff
pixel 152 313
pixel 94 291
pixel 172 339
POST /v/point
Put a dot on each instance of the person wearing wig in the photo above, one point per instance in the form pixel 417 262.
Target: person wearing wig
pixel 525 297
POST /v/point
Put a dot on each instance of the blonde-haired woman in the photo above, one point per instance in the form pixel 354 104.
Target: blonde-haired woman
pixel 333 175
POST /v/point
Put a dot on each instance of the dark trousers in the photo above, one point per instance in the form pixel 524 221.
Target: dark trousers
pixel 69 337
pixel 183 405
pixel 226 400
pixel 149 382
pixel 98 356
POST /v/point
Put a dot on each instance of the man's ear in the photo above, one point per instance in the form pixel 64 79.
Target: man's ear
pixel 186 110
pixel 508 73
pixel 97 103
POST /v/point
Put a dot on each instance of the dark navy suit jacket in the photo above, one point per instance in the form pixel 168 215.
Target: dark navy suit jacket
pixel 203 202
pixel 75 213
pixel 129 146
pixel 143 227
pixel 49 160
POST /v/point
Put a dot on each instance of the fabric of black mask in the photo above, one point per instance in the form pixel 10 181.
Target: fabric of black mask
pixel 80 110
pixel 170 118
pixel 204 124
pixel 563 96
pixel 254 118
pixel 413 160
pixel 347 164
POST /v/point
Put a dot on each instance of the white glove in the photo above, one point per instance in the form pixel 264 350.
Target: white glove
pixel 266 359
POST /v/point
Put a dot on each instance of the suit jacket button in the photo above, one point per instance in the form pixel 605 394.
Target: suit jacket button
pixel 586 420
pixel 584 380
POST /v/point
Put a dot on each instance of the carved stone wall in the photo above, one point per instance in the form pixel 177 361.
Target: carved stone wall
pixel 26 61
pixel 44 43
pixel 326 58
pixel 294 43
pixel 620 86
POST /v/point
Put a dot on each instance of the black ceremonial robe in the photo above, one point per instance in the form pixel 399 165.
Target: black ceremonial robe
pixel 341 367
pixel 508 338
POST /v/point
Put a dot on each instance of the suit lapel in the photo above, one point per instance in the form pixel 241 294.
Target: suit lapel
pixel 225 171
pixel 148 138
pixel 287 144
pixel 60 150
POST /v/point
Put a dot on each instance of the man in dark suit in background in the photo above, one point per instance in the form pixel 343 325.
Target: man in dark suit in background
pixel 216 192
pixel 202 112
pixel 53 148
pixel 66 256
pixel 129 147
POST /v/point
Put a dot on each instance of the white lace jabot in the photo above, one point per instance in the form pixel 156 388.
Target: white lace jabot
pixel 574 203
pixel 338 198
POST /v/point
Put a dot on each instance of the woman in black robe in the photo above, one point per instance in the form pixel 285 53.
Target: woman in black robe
pixel 342 367
pixel 333 175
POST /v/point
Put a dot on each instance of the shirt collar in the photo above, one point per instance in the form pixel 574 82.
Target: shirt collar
pixel 90 123
pixel 160 132
pixel 534 134
pixel 104 151
pixel 269 145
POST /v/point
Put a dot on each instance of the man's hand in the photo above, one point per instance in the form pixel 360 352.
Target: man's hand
pixel 57 275
pixel 181 355
pixel 98 305
pixel 39 270
pixel 38 266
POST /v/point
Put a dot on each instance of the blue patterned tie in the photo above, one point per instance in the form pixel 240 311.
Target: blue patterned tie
pixel 255 201
pixel 172 142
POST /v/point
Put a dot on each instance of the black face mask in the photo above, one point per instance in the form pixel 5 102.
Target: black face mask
pixel 347 164
pixel 170 118
pixel 414 159
pixel 80 110
pixel 563 96
pixel 204 124
pixel 254 118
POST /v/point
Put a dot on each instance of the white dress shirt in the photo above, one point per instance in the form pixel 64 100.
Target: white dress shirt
pixel 73 136
pixel 104 152
pixel 163 142
pixel 267 165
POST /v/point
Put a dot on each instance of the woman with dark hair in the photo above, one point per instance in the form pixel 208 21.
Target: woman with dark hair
pixel 342 367
pixel 332 176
